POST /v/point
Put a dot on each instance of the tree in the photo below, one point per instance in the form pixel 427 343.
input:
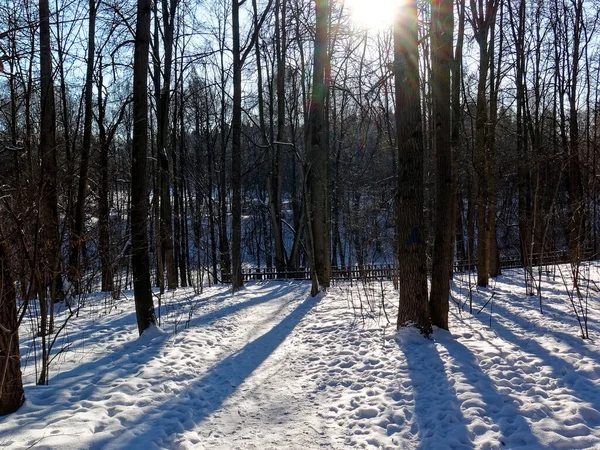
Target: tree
pixel 106 137
pixel 50 273
pixel 12 395
pixel 519 35
pixel 317 152
pixel 239 57
pixel 456 124
pixel 142 288
pixel 77 238
pixel 237 280
pixel 574 171
pixel 483 20
pixel 274 179
pixel 169 8
pixel 495 79
pixel 413 308
pixel 442 23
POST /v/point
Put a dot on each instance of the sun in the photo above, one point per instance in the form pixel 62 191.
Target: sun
pixel 373 15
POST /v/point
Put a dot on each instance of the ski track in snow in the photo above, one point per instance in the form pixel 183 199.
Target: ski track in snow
pixel 272 368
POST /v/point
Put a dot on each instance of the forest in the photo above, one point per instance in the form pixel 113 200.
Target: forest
pixel 152 147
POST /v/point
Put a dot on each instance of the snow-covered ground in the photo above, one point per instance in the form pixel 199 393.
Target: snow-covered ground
pixel 272 368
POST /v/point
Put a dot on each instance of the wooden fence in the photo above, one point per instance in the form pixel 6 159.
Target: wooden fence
pixel 390 271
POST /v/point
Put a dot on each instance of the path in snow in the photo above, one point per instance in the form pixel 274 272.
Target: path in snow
pixel 223 382
pixel 271 368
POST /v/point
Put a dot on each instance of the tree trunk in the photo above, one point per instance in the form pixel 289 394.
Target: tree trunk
pixel 413 307
pixel 456 121
pixel 223 240
pixel 318 153
pixel 12 394
pixel 483 20
pixel 575 186
pixel 178 170
pixel 49 234
pixel 156 170
pixel 210 169
pixel 471 194
pixel 494 257
pixel 524 207
pixel 236 153
pixel 276 177
pixel 142 288
pixel 77 234
pixel 442 23
pixel 103 196
pixel 69 141
pixel 164 101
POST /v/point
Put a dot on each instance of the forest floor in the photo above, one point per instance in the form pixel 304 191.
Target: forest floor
pixel 272 368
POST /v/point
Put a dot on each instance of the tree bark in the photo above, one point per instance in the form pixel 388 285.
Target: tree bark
pixel 442 23
pixel 318 153
pixel 495 74
pixel 49 233
pixel 413 308
pixel 12 394
pixel 142 288
pixel 482 21
pixel 236 153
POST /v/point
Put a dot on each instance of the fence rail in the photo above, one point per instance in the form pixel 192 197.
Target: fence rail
pixel 390 271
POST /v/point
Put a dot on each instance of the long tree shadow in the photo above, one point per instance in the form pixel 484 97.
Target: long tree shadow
pixel 529 306
pixel 530 326
pixel 160 424
pixel 173 306
pixel 553 291
pixel 270 294
pixel 84 383
pixel 563 371
pixel 502 409
pixel 441 423
pixel 143 356
pixel 100 330
pixel 87 381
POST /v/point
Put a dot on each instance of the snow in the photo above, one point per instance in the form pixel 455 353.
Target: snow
pixel 272 368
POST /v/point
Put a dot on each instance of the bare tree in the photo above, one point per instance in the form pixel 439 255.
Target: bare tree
pixel 413 308
pixel 142 288
pixel 77 234
pixel 483 20
pixel 442 24
pixel 50 273
pixel 169 9
pixel 317 152
pixel 12 395
pixel 239 57
pixel 236 152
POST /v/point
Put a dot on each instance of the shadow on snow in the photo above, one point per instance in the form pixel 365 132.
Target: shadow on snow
pixel 436 406
pixel 206 395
